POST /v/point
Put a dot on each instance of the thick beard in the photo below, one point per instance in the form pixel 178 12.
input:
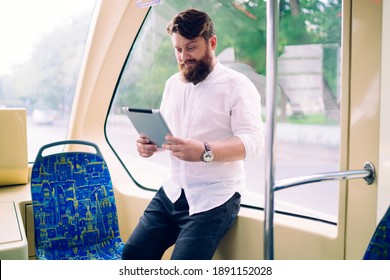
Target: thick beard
pixel 199 72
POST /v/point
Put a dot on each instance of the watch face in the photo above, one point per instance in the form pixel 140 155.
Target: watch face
pixel 208 156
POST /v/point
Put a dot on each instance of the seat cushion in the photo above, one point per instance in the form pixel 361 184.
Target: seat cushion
pixel 111 249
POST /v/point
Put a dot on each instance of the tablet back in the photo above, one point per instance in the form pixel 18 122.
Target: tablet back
pixel 149 123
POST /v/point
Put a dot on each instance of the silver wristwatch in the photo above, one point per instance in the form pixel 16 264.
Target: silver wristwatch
pixel 207 155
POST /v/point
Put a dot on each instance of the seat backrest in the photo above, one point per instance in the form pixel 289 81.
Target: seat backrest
pixel 73 205
pixel 13 147
pixel 379 246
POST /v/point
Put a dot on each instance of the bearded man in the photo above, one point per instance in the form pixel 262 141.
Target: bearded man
pixel 214 114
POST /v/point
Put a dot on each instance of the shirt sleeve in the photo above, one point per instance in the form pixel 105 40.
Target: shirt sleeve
pixel 246 120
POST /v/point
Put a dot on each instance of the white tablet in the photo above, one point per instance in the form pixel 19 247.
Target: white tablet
pixel 149 123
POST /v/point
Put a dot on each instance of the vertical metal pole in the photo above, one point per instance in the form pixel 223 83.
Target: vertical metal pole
pixel 271 83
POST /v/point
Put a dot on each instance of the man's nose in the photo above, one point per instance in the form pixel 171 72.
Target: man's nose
pixel 184 55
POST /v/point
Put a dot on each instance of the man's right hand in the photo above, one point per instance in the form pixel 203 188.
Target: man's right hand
pixel 145 148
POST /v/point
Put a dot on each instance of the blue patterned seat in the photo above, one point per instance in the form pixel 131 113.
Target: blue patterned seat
pixel 74 207
pixel 379 246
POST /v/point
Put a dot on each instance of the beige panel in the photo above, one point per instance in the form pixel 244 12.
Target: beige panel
pixel 364 122
pixel 9 224
pixel 294 238
pixel 13 147
pixel 384 142
pixel 13 243
pixel 114 30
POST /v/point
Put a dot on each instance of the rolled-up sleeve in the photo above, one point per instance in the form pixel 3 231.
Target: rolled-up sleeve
pixel 247 123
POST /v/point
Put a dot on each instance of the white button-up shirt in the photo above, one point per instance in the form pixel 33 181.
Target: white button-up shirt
pixel 224 105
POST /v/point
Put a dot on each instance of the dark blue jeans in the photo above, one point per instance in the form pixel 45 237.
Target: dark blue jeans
pixel 165 223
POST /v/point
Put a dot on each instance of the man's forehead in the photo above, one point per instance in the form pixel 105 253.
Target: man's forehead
pixel 177 39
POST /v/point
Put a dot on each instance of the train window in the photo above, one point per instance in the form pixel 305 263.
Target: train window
pixel 40 53
pixel 308 110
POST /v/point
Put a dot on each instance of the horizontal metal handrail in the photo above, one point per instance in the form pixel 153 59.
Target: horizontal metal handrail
pixel 368 174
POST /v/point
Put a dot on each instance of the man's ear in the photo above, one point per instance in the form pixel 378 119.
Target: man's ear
pixel 213 42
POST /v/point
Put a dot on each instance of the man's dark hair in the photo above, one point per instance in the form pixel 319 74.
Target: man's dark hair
pixel 192 23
